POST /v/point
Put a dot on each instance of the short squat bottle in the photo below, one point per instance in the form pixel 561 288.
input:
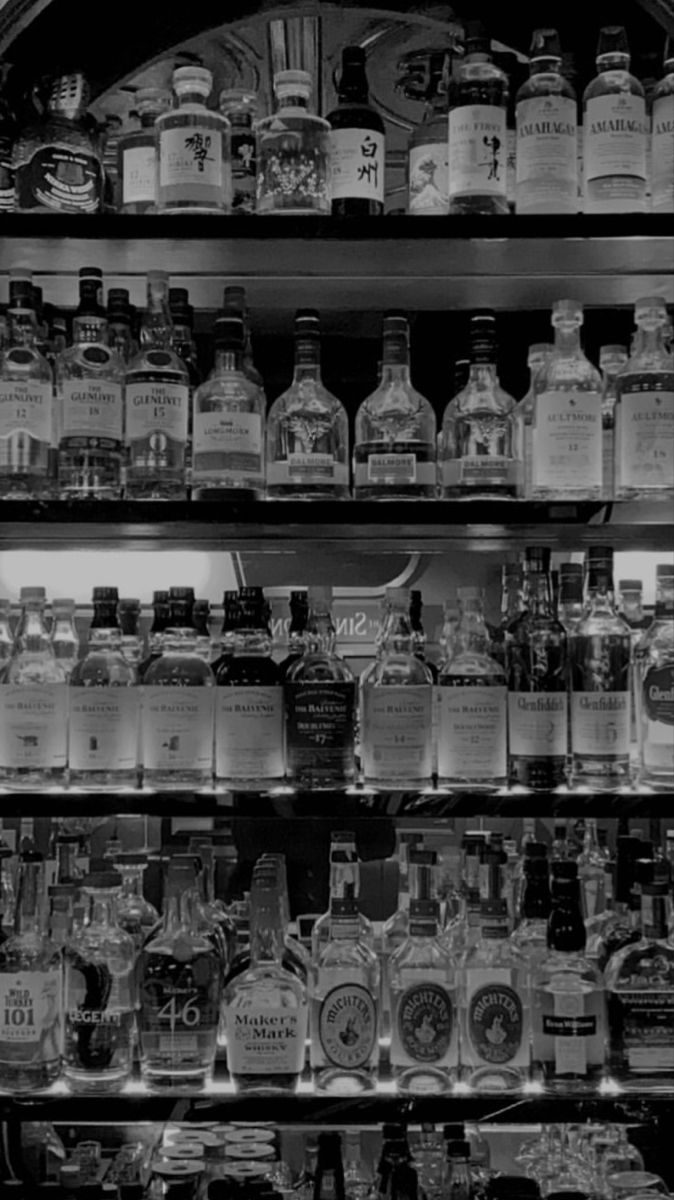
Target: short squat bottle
pixel 357 144
pixel 547 149
pixel 194 171
pixel 614 131
pixel 293 152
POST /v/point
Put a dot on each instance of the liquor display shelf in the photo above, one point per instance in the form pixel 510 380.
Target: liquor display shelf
pixel 454 263
pixel 430 526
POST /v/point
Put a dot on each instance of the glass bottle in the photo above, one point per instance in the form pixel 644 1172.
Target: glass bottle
pixel 307 427
pixel 201 618
pixel 662 143
pixel 396 702
pixel 157 403
pixel 99 994
pixel 228 423
pixel 537 358
pixel 63 635
pixel 8 132
pixel 182 337
pixel 193 149
pixel 249 704
pixel 546 116
pixel 27 409
pixel 30 991
pixel 234 301
pixel 120 333
pixel 478 100
pixel 396 927
pixel 477 428
pixel 223 643
pixel 428 153
pixel 419 633
pixel 344 871
pixel 655 687
pixel 395 438
pixel 137 153
pixel 128 615
pixel 104 705
pixel 599 658
pixel 89 377
pixel 357 144
pixel 530 935
pixel 644 412
pixel 57 158
pixel 472 706
pixel 293 151
pixel 299 615
pixel 157 632
pixel 329 1179
pixel 614 131
pixel 566 433
pixel 570 607
pixel 512 609
pixel 239 107
pixel 612 360
pixel 592 873
pixel 134 913
pixel 357 1177
pixel 320 700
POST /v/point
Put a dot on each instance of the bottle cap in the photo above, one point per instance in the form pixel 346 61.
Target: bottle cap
pixel 69 94
pixel 567 311
pixel 181 595
pixel 192 80
pixel 535 850
pixel 28 594
pixel 612 40
pixel 653 307
pixel 396 322
pixel 664 571
pixel 63 602
pixel 234 297
pixel 353 56
pixel 319 597
pixel 630 585
pixel 292 83
pixel 233 100
pixel 476 39
pixel 228 332
pixel 104 595
pixel 545 44
pixel 422 858
pixel 160 597
pixel 152 100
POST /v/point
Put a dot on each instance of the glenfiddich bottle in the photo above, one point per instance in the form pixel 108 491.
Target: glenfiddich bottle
pixel 357 146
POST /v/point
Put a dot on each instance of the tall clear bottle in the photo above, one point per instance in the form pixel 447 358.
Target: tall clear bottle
pixel 644 411
pixel 344 871
pixel 478 100
pixel 27 409
pixel 293 151
pixel 239 107
pixel 135 914
pixel 662 136
pixel 612 360
pixel 428 152
pixel 614 131
pixel 357 143
pixel 193 149
pixel 137 153
pixel 537 358
pixel 547 141
pixel 63 634
pixel 655 688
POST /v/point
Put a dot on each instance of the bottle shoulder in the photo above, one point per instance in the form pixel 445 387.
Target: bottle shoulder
pixel 21 363
pixel 355 115
pixel 568 372
pixel 472 665
pixel 319 667
pixel 567 972
pixel 152 360
pixel 90 360
pixel 480 398
pixel 100 668
pixel 228 391
pixel 306 397
pixel 396 670
pixel 292 120
pixel 545 83
pixel 419 953
pixel 174 668
pixel 265 984
pixel 608 83
pixel 242 671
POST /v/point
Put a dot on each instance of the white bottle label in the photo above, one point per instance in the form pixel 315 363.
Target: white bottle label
pixel 229 443
pixel 346 1025
pixel 615 136
pixel 537 724
pixel 33 725
pixel 156 409
pixel 307 468
pixel 569 1025
pixel 249 732
pixel 262 1040
pixel 357 164
pixel 472 732
pixel 393 469
pixel 477 150
pixel 495 1019
pixel 177 728
pixel 662 180
pixel 547 149
pixel 191 155
pixel 103 728
pixel 475 471
pixel 139 175
pixel 645 439
pixel 396 727
pixel 566 441
pixel 26 408
pixel 91 408
pixel 600 724
pixel 30 1007
pixel 429 179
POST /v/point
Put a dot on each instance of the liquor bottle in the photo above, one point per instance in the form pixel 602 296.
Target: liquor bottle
pixel 478 100
pixel 592 873
pixel 157 402
pixel 307 427
pixel 357 144
pixel 33 704
pixel 223 643
pixel 615 131
pixel 612 360
pixel 644 412
pixel 293 151
pixel 63 635
pixel 157 632
pixel 57 159
pixel 395 441
pixel 30 991
pixel 396 927
pixel 344 992
pixel 179 975
pixel 320 701
pixel 265 1006
pixel 104 705
pixel 329 1179
pixel 631 608
pixel 428 153
pixel 27 411
pixel 570 607
pixel 536 668
pixel 299 615
pixel 134 913
pixel 396 706
pixel 512 609
pixel 89 378
pixel 201 617
pixel 234 301
pixel 239 106
pixel 546 116
pixel 120 333
pixel 655 687
pixel 423 986
pixel 566 432
pixel 344 871
pixel 472 706
pixel 662 111
pixel 477 428
pixel 128 615
pixel 569 1004
pixel 137 153
pixel 618 926
pixel 294 957
pixel 249 704
pixel 537 358
pixel 8 131
pixel 193 149
pixel 419 633
pixel 182 337
pixel 177 726
pixel 530 936
pixel 99 994
pixel 599 657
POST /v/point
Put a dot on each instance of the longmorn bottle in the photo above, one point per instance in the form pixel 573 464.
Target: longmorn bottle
pixel 357 144
pixel 614 131
pixel 478 98
pixel 545 114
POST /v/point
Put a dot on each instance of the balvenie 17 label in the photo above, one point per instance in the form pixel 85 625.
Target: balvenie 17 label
pixel 347 1026
pixel 425 1022
pixel 320 724
pixel 262 1040
pixel 495 1023
pixel 61 178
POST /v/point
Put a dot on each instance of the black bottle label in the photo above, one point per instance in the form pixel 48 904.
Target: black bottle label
pixel 320 725
pixel 60 178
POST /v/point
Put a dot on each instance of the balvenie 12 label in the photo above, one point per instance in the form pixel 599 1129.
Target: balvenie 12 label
pixel 347 1026
pixel 496 1023
pixel 425 1022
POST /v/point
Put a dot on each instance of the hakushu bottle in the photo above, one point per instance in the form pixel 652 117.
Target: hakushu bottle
pixel 654 687
pixel 662 143
pixel 137 153
pixel 614 131
pixel 293 151
pixel 357 143
pixel 644 411
pixel 57 160
pixel 193 150
pixel 478 98
pixel 546 117
pixel 428 153
pixel 27 410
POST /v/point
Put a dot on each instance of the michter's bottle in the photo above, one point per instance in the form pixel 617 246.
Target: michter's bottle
pixel 357 147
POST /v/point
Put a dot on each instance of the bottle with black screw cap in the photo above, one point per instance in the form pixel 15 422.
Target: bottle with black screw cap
pixel 357 144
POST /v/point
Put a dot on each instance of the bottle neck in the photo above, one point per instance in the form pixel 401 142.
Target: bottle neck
pixel 567 339
pixel 28 915
pixel 102 909
pixel 23 328
pixel 307 359
pixel 267 933
pixel 651 341
pixel 132 882
pixel 32 632
pixel 536 897
pixel 664 600
pixel 90 330
pixel 601 595
pixel 320 632
pixel 545 66
pixel 228 360
pixel 613 60
pixel 157 326
pixel 512 601
pixel 472 632
pixel 180 907
pixel 353 87
pixel 538 595
pixel 566 928
pixel 397 635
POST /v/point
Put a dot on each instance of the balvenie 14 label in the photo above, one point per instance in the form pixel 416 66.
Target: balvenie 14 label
pixel 249 732
pixel 425 1022
pixel 61 178
pixel 567 441
pixel 103 733
pixel 177 728
pixel 347 1026
pixel 33 726
pixel 477 150
pixel 262 1040
pixel 320 724
pixel 397 731
pixel 495 1023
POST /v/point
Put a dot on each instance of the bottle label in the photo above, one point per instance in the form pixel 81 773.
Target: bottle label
pixel 33 725
pixel 320 725
pixel 307 469
pixel 647 1019
pixel 477 151
pixel 357 162
pixel 547 149
pixel 662 175
pixel 396 732
pixel 7 196
pixel 249 732
pixel 30 1014
pixel 26 409
pixel 600 724
pixel 191 155
pixel 495 1016
pixel 394 468
pixel 615 132
pixel 266 1041
pixel 139 175
pixel 103 733
pixel 657 700
pixel 177 728
pixel 424 1023
pixel 645 437
pixel 181 1012
pixel 429 179
pixel 537 724
pixel 156 410
pixel 229 443
pixel 478 471
pixel 62 178
pixel 566 450
pixel 91 409
pixel 99 1017
pixel 569 1024
pixel 347 1026
pixel 244 172
pixel 472 732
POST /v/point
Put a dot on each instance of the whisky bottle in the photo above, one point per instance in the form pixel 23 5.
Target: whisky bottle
pixel 234 301
pixel 570 606
pixel 212 911
pixel 344 871
pixel 428 153
pixel 614 131
pixel 182 338
pixel 329 1180
pixel 537 358
pixel 193 149
pixel 478 99
pixel 644 411
pixel 546 116
pixel 137 153
pixel 293 151
pixel 612 360
pixel 662 144
pixel 654 687
pixel 134 913
pixel 530 936
pixel 357 144
pixel 512 610
pixel 27 410
pixel 396 927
